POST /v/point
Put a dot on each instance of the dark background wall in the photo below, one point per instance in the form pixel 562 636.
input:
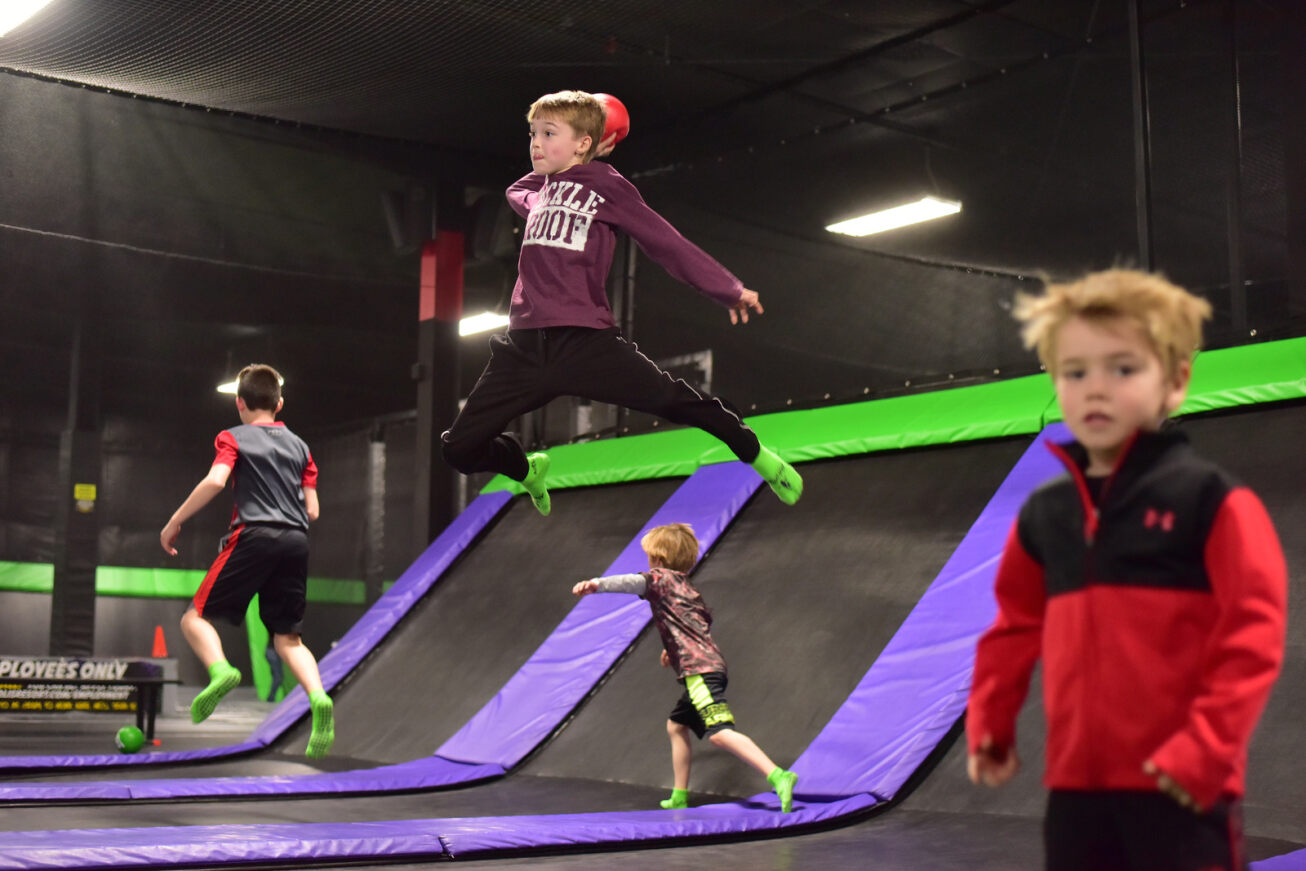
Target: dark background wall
pixel 192 241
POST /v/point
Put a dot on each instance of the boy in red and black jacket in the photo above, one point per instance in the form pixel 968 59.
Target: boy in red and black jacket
pixel 1151 584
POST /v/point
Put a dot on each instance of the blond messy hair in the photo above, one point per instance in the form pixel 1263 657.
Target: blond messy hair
pixel 579 109
pixel 673 546
pixel 1169 316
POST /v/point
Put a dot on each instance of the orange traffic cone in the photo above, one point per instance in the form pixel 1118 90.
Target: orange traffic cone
pixel 160 646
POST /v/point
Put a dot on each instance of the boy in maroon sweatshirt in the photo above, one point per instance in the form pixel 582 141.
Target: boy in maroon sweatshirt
pixel 1151 584
pixel 562 339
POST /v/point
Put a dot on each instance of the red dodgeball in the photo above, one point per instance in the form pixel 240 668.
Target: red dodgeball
pixel 617 119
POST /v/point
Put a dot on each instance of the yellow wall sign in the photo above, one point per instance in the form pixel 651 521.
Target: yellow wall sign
pixel 84 492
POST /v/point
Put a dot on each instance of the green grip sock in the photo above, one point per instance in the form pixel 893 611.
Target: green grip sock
pixel 679 798
pixel 324 730
pixel 782 782
pixel 781 477
pixel 223 678
pixel 537 469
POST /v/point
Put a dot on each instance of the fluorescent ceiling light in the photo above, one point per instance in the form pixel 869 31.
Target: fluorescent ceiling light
pixel 481 323
pixel 925 209
pixel 15 12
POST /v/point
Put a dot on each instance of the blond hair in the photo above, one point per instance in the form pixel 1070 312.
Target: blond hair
pixel 579 109
pixel 673 546
pixel 1169 316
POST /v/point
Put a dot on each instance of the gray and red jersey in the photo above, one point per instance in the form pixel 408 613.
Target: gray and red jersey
pixel 566 252
pixel 270 467
pixel 680 614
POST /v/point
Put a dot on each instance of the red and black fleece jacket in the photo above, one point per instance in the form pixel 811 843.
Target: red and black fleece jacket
pixel 1159 616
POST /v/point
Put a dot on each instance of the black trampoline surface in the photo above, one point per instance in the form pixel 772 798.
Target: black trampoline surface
pixel 804 598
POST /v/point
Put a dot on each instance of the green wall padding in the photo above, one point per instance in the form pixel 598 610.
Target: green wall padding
pixel 160 583
pixel 1230 377
pixel 27 577
pixel 1246 375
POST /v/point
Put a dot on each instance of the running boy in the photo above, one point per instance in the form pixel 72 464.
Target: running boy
pixel 561 337
pixel 1151 584
pixel 265 551
pixel 684 622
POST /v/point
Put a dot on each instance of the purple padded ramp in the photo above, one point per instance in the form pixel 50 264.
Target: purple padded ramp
pixel 169 846
pixel 356 644
pixel 373 626
pixel 1287 862
pixel 917 687
pixel 596 632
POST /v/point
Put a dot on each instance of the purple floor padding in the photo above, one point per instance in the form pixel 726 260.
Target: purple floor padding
pixel 356 644
pixel 596 632
pixel 429 772
pixel 168 846
pixel 917 688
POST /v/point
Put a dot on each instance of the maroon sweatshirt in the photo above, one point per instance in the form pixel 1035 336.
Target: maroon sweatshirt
pixel 571 223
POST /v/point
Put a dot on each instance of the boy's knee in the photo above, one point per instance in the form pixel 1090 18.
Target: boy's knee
pixel 722 737
pixel 676 730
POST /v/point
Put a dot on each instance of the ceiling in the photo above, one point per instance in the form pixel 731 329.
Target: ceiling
pixel 783 115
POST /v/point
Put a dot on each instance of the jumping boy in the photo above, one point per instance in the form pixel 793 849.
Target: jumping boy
pixel 561 338
pixel 264 552
pixel 684 622
pixel 1151 584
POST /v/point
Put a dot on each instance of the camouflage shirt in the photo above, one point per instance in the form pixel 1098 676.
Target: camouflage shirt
pixel 680 614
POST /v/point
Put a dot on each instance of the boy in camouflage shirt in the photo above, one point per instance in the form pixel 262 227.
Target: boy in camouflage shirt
pixel 684 622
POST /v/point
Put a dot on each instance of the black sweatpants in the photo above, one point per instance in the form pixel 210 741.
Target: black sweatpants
pixel 528 368
pixel 1121 830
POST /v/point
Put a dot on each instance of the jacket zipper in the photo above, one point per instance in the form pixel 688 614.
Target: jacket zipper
pixel 1092 520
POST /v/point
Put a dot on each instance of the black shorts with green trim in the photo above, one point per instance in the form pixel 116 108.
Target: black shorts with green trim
pixel 703 706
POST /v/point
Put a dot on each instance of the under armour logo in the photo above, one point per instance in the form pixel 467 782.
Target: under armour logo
pixel 1163 519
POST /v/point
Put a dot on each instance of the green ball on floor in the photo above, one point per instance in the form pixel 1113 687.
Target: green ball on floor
pixel 129 739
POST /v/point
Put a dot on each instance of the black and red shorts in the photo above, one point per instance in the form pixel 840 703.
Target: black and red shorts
pixel 270 561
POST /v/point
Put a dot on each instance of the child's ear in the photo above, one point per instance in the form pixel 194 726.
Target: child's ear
pixel 1177 386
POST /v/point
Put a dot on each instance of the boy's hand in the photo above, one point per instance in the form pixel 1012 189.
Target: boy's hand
pixel 606 145
pixel 169 535
pixel 990 766
pixel 1167 784
pixel 666 660
pixel 739 311
pixel 584 588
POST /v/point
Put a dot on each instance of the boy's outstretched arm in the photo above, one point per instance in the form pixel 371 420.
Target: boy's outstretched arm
pixel 633 583
pixel 212 484
pixel 1004 660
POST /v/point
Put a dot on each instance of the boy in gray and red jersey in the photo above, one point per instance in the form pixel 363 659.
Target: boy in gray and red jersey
pixel 265 552
pixel 685 623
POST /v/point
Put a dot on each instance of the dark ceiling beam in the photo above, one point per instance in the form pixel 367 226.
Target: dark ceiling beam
pixel 834 67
